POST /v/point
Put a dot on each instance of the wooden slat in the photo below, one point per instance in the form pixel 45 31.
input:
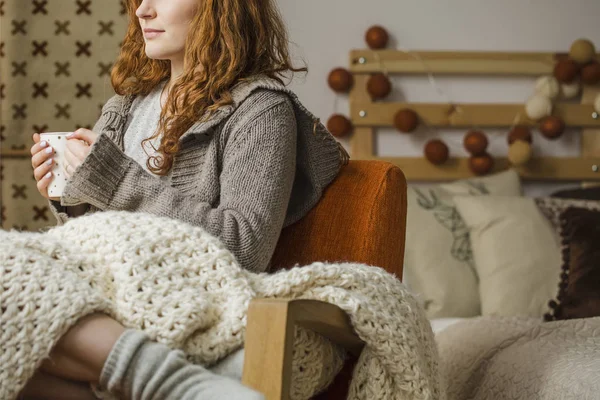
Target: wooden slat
pixel 590 138
pixel 467 115
pixel 542 168
pixel 460 63
pixel 362 141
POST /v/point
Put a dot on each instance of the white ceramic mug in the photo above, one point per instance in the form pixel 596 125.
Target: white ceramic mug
pixel 58 141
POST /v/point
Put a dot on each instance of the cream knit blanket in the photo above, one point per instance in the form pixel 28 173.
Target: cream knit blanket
pixel 183 288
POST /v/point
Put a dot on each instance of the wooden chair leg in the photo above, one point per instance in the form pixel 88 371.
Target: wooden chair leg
pixel 270 337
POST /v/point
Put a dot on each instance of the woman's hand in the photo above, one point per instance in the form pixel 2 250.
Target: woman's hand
pixel 42 157
pixel 77 150
pixel 42 161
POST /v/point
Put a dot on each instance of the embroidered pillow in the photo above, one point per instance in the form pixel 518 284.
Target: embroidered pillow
pixel 438 263
pixel 516 253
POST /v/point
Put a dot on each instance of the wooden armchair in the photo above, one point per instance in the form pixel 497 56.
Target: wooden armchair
pixel 360 218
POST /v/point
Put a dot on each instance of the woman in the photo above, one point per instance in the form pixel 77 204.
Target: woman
pixel 202 130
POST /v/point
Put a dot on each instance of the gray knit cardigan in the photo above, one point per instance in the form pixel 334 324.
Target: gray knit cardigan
pixel 256 166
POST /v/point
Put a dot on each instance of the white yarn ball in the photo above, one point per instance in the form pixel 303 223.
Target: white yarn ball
pixel 538 106
pixel 597 103
pixel 548 86
pixel 570 90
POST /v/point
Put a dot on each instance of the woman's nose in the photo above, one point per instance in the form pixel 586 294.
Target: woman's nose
pixel 145 10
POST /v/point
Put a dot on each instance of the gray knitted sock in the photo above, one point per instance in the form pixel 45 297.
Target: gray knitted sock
pixel 139 369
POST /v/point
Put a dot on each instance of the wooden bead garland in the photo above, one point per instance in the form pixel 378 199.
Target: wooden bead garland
pixel 570 90
pixel 481 164
pixel 548 86
pixel 475 142
pixel 406 120
pixel 566 70
pixel 552 127
pixel 376 37
pixel 590 73
pixel 520 132
pixel 339 125
pixel 538 106
pixel 519 152
pixel 582 51
pixel 379 86
pixel 340 80
pixel 436 151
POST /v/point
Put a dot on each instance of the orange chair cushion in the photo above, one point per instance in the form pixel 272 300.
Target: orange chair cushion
pixel 361 217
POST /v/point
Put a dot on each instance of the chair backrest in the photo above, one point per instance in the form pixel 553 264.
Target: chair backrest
pixel 361 217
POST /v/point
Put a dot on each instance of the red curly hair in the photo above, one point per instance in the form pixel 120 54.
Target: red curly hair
pixel 232 40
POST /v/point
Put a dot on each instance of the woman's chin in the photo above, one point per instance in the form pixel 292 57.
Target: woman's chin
pixel 156 56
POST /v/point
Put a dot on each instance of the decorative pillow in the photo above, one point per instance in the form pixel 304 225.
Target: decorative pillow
pixel 516 253
pixel 579 288
pixel 438 264
pixel 553 207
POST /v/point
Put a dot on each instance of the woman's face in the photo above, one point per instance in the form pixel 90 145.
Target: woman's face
pixel 172 18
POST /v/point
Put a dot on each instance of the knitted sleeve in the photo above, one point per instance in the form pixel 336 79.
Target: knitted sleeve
pixel 259 163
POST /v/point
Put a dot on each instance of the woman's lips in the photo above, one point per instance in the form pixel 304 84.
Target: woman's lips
pixel 152 34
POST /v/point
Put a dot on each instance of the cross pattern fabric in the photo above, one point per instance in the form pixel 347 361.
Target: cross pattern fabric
pixel 55 63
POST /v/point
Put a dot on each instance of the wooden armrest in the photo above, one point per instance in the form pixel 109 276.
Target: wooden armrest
pixel 270 337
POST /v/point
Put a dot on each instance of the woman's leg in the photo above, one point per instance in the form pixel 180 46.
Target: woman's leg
pixel 81 353
pixel 129 365
pixel 49 387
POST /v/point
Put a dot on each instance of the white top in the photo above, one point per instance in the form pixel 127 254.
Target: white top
pixel 142 123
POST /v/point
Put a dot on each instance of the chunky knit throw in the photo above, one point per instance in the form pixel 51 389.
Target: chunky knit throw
pixel 183 288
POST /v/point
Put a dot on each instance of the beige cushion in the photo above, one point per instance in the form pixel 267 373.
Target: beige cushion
pixel 516 254
pixel 438 265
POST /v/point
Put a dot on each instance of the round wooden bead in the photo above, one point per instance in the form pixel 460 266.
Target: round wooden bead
pixel 590 73
pixel 538 106
pixel 339 125
pixel 582 51
pixel 475 142
pixel 379 86
pixel 436 151
pixel 519 152
pixel 552 127
pixel 340 80
pixel 520 132
pixel 376 37
pixel 548 86
pixel 406 120
pixel 566 70
pixel 570 90
pixel 481 164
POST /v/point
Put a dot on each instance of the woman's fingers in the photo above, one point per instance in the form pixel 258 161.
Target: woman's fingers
pixel 36 143
pixel 43 153
pixel 43 169
pixel 42 184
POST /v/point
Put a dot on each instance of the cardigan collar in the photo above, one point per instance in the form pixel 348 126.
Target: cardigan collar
pixel 117 107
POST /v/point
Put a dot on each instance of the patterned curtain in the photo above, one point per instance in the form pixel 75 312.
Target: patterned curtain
pixel 55 62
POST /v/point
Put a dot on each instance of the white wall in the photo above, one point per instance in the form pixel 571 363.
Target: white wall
pixel 324 31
